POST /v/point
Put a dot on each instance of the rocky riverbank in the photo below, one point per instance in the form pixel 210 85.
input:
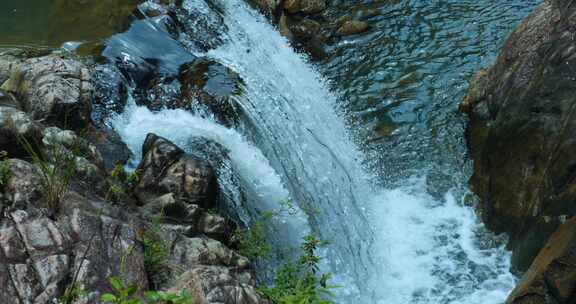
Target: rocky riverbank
pixel 521 138
pixel 71 218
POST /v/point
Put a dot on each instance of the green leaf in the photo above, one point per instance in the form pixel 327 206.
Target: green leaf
pixel 116 283
pixel 108 297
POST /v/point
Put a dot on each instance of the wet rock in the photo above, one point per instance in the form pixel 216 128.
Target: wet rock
pixel 166 169
pixel 110 146
pixel 110 93
pixel 552 276
pixel 53 89
pixel 268 7
pixel 353 27
pixel 209 84
pixel 304 6
pixel 520 133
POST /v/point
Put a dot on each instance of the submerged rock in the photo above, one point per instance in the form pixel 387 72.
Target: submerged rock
pixel 521 131
pixel 304 6
pixel 353 27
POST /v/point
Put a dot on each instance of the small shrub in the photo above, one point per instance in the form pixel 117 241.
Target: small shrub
pixel 71 294
pixel 121 183
pixel 123 294
pixel 300 282
pixel 57 168
pixel 252 242
pixel 156 253
pixel 5 171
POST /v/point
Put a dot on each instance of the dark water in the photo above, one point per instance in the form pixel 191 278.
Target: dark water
pixel 403 80
pixel 50 23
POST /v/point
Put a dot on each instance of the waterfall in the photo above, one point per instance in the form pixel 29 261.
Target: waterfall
pixel 391 246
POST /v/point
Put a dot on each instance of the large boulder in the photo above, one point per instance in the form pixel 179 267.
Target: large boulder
pixel 53 89
pixel 552 277
pixel 88 243
pixel 165 168
pixel 521 131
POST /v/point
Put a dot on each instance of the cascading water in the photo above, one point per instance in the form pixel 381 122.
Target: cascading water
pixel 398 245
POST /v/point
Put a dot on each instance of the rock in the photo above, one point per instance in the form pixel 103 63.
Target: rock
pixel 305 30
pixel 8 62
pixel 353 27
pixel 110 146
pixel 520 133
pixel 268 7
pixel 24 189
pixel 53 89
pixel 16 128
pixel 216 284
pixel 212 85
pixel 166 169
pixel 552 276
pixel 40 256
pixel 304 6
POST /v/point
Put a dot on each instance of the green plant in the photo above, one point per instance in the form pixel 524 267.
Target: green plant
pixel 5 171
pixel 156 251
pixel 121 182
pixel 57 168
pixel 300 282
pixel 122 294
pixel 127 294
pixel 71 294
pixel 183 297
pixel 252 242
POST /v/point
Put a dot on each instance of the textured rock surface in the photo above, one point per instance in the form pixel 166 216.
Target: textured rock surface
pixel 552 276
pixel 53 89
pixel 86 238
pixel 521 131
pixel 353 27
pixel 166 169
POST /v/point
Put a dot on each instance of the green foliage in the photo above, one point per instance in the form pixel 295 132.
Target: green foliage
pixel 5 171
pixel 121 182
pixel 300 282
pixel 71 294
pixel 57 167
pixel 252 242
pixel 156 250
pixel 183 297
pixel 128 294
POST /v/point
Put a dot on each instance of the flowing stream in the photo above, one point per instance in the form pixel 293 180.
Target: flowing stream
pixel 396 210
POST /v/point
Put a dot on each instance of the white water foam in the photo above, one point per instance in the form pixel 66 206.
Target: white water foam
pixel 420 249
pixel 180 127
pixel 430 250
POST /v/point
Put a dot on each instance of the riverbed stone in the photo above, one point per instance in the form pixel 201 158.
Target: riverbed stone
pixel 304 6
pixel 353 27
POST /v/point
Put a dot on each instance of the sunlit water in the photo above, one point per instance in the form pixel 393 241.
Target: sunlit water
pixel 396 210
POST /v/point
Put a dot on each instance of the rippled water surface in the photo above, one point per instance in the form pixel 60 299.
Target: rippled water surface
pixel 404 79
